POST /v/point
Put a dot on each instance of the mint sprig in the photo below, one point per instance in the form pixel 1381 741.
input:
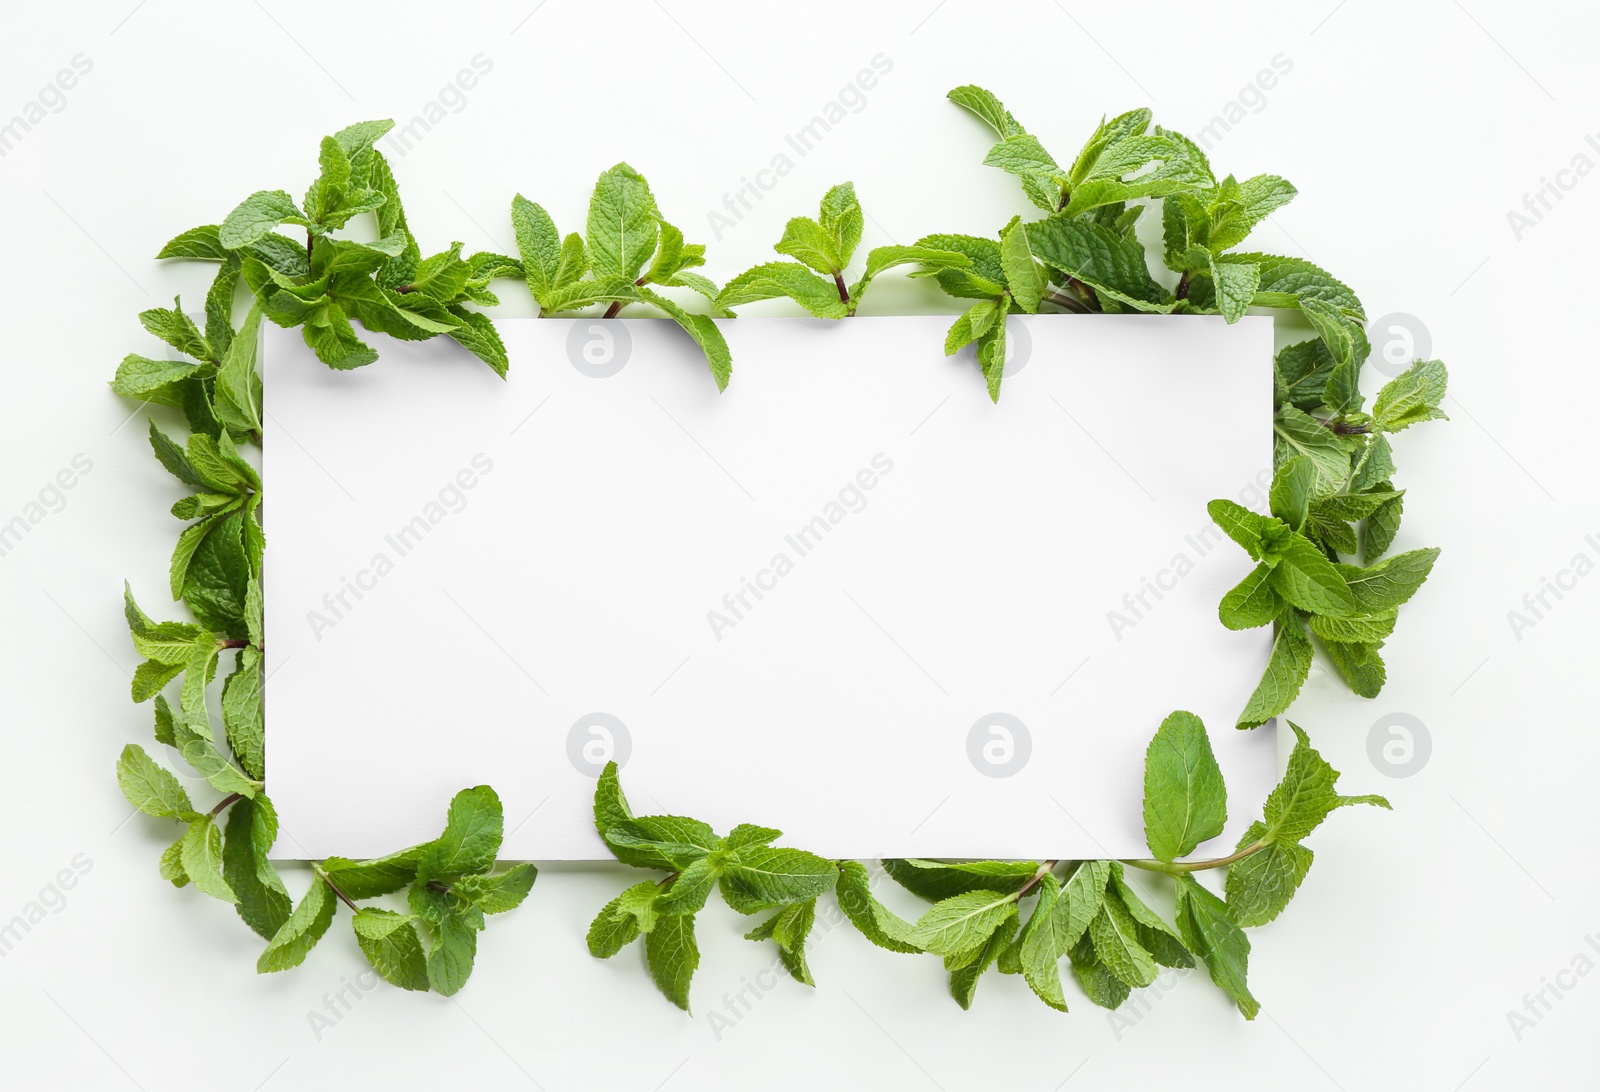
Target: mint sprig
pixel 627 254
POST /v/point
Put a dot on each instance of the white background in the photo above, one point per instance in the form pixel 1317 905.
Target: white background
pixel 1411 131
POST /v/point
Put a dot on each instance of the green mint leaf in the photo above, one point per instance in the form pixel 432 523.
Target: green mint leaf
pixel 987 107
pixel 1261 885
pixel 1297 433
pixel 971 326
pixel 156 381
pixel 1209 931
pixel 1377 534
pixel 1354 630
pixel 1185 801
pixel 201 854
pixel 842 219
pixel 671 951
pixel 238 386
pixel 152 788
pixel 871 918
pixel 1286 672
pixel 789 928
pixel 1301 371
pixel 1289 282
pixel 495 894
pixel 176 329
pixel 982 278
pixel 1115 936
pixel 810 243
pixel 242 719
pixel 1155 935
pixel 930 262
pixel 1305 577
pixel 1249 529
pixel 1387 585
pixel 622 227
pixel 1112 265
pixel 1412 397
pixel 746 834
pixel 478 336
pixel 669 842
pixel 256 216
pixel 621 920
pixel 704 332
pixel 380 876
pixel 760 877
pixel 959 927
pixel 610 805
pixel 451 953
pixel 691 888
pixel 1236 284
pixel 1024 276
pixel 263 903
pixel 1104 988
pixel 1037 947
pixel 1305 796
pixel 935 880
pixel 471 836
pixel 992 351
pixel 200 242
pixel 771 280
pixel 1251 602
pixel 172 865
pixel 1247 204
pixel 392 946
pixel 964 976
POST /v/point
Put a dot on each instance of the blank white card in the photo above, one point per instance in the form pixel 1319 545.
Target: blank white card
pixel 850 598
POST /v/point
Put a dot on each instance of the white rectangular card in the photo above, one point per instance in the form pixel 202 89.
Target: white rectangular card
pixel 849 598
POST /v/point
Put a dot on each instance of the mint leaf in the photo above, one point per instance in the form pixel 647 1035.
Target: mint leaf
pixel 672 954
pixel 201 854
pixel 1251 602
pixel 622 229
pixel 1305 577
pixel 789 928
pixel 1115 936
pixel 961 925
pixel 310 919
pixel 1412 397
pixel 495 894
pixel 964 976
pixel 451 953
pixel 1306 794
pixel 1261 885
pixel 1209 931
pixel 1391 582
pixel 263 903
pixel 774 279
pixel 1105 261
pixel 621 920
pixel 471 836
pixel 256 216
pixel 1185 801
pixel 935 880
pixel 380 876
pixel 152 788
pixel 760 877
pixel 1024 276
pixel 392 946
pixel 875 921
pixel 987 107
pixel 1286 672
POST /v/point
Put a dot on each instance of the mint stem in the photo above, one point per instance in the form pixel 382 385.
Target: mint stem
pixel 1179 868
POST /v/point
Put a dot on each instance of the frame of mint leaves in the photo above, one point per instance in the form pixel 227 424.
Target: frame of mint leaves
pixel 1332 497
